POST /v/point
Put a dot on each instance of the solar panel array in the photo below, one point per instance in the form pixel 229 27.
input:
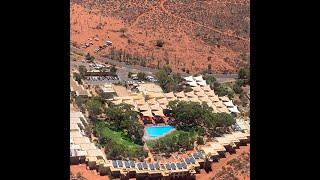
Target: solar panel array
pixel 200 155
pixel 195 155
pixel 126 164
pixel 192 160
pixel 139 166
pixel 179 166
pixel 187 160
pixel 173 166
pixel 184 165
pixel 157 166
pixel 114 164
pixel 145 166
pixel 120 164
pixel 151 166
pixel 132 164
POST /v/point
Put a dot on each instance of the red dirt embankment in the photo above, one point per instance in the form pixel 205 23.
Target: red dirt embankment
pixel 218 166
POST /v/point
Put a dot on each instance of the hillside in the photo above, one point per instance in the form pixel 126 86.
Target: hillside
pixel 189 35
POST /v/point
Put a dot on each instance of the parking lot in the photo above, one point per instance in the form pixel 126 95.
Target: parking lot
pixel 100 80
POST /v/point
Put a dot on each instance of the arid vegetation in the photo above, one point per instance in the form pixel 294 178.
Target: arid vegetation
pixel 189 35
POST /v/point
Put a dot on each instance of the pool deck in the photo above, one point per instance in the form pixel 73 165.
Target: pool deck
pixel 147 137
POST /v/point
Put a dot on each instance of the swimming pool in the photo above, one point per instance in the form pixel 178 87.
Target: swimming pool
pixel 154 132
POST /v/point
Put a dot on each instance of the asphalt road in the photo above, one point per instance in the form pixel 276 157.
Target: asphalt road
pixel 123 69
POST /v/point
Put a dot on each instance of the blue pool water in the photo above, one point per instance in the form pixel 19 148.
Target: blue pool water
pixel 157 131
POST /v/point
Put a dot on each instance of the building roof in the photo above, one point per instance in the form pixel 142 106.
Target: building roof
pixel 190 94
pixel 234 109
pixel 163 101
pixel 231 137
pixel 206 88
pixel 193 84
pixel 158 113
pixel 214 98
pixel 74 126
pixel 197 89
pixel 210 93
pixel 144 107
pixel 169 95
pixel 117 101
pixel 155 95
pixel 228 103
pixel 200 94
pixel 180 94
pixel 202 83
pixel 209 151
pixel 149 87
pixel 74 134
pixel 152 101
pixel 88 146
pixel 147 113
pixel 217 146
pixel 81 140
pixel 223 141
pixel 95 153
pixel 240 135
pixel 189 79
pixel 155 107
pixel 198 78
pixel 224 98
pixel 76 114
pixel 107 88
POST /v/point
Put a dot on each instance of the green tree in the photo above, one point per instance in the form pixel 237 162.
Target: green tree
pixel 82 70
pixel 244 73
pixel 94 106
pixel 89 58
pixel 200 140
pixel 141 76
pixel 159 43
pixel 237 87
pixel 119 113
pixel 113 71
pixel 78 77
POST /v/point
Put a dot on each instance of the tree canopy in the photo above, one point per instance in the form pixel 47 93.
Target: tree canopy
pixel 167 80
pixel 123 118
pixel 193 115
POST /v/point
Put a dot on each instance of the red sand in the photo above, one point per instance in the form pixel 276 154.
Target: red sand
pixel 182 49
pixel 89 174
pixel 223 162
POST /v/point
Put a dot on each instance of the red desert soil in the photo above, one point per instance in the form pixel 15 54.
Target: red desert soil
pixel 89 174
pixel 217 166
pixel 195 33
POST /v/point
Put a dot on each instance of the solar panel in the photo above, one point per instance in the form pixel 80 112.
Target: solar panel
pixel 151 166
pixel 173 166
pixel 126 164
pixel 145 166
pixel 184 165
pixel 132 164
pixel 156 165
pixel 120 164
pixel 168 166
pixel 192 160
pixel 200 155
pixel 195 155
pixel 114 164
pixel 187 160
pixel 179 165
pixel 139 166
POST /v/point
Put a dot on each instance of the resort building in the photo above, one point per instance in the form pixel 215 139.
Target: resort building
pixel 78 89
pixel 82 150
